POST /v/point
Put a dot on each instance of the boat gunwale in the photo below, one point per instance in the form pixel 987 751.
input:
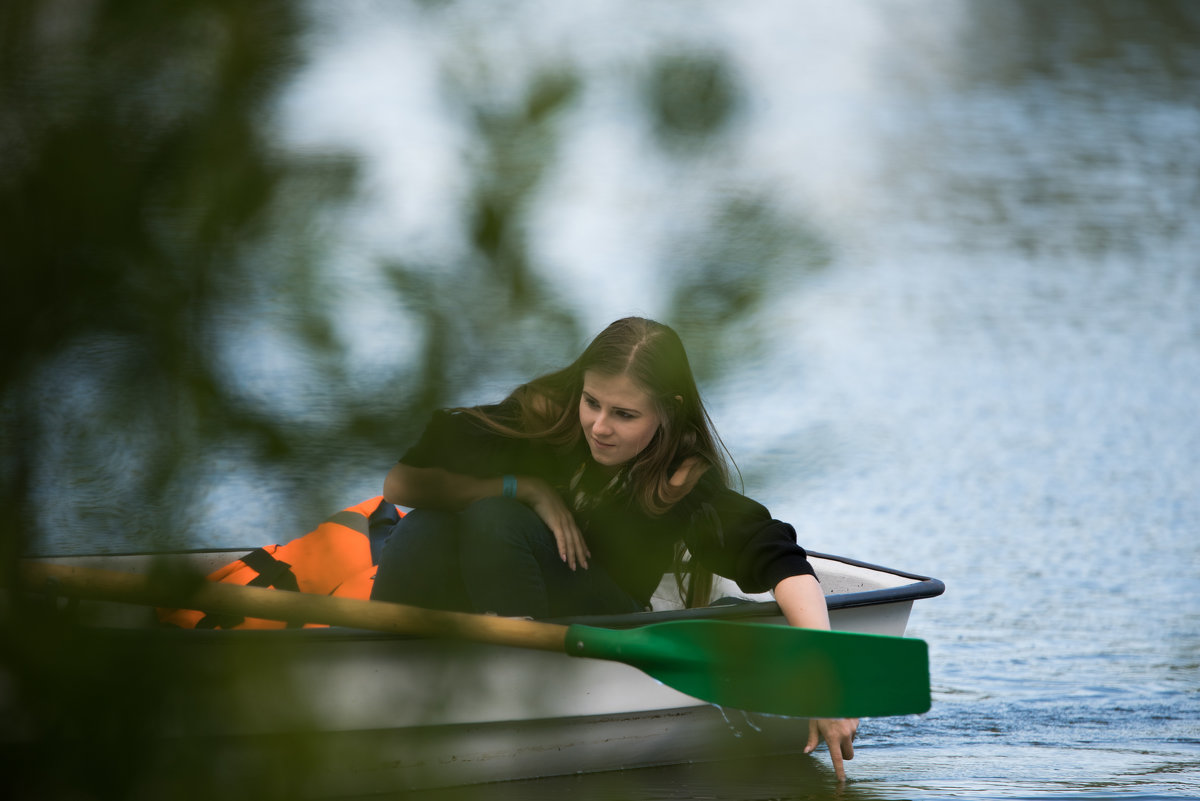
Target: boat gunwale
pixel 920 587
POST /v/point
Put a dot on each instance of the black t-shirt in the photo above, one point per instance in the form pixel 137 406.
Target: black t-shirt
pixel 726 532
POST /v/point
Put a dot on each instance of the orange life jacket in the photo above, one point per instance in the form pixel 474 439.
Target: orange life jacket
pixel 333 559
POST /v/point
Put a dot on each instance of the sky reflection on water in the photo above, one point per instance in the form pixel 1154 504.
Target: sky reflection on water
pixel 993 380
pixel 936 262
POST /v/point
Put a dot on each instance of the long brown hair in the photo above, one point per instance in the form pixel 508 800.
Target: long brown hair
pixel 653 357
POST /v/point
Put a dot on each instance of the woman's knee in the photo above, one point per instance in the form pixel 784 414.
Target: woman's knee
pixel 500 517
pixel 500 528
pixel 505 547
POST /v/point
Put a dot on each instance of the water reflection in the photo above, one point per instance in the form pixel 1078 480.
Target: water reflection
pixel 935 262
pixel 137 175
pixel 247 349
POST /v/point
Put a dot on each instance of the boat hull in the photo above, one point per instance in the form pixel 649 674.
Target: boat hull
pixel 351 712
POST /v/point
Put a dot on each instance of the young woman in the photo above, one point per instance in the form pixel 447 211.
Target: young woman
pixel 578 492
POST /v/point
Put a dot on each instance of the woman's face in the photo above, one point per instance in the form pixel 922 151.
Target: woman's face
pixel 618 418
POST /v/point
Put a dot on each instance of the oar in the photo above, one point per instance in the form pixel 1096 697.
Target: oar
pixel 757 667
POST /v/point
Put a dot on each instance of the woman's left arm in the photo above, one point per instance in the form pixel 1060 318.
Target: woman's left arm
pixel 803 605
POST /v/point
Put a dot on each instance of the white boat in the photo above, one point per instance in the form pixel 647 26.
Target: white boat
pixel 346 712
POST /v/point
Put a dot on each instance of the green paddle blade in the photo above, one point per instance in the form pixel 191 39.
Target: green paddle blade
pixel 778 670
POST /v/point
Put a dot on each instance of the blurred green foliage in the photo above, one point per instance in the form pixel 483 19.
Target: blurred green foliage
pixel 690 97
pixel 158 242
pixel 146 212
pixel 134 172
pixel 148 217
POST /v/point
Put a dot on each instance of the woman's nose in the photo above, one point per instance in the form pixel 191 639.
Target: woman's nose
pixel 601 423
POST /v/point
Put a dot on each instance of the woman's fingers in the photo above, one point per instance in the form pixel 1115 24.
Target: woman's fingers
pixel 839 752
pixel 558 518
pixel 814 736
pixel 838 735
pixel 571 546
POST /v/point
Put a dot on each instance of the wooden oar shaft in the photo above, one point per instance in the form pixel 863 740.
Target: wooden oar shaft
pixel 234 599
pixel 762 668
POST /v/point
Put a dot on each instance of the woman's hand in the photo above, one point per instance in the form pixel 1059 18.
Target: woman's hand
pixel 838 734
pixel 683 474
pixel 803 604
pixel 543 500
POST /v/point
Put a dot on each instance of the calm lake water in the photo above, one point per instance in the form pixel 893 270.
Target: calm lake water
pixel 995 380
pixel 971 349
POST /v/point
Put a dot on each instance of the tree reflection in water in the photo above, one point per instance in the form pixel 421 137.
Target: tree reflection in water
pixel 202 347
pixel 177 320
pixel 190 314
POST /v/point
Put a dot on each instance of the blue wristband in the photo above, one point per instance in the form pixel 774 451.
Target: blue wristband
pixel 510 486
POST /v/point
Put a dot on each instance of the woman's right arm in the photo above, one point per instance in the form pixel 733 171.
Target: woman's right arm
pixel 436 488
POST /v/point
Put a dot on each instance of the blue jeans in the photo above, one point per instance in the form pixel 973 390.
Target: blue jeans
pixel 494 556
